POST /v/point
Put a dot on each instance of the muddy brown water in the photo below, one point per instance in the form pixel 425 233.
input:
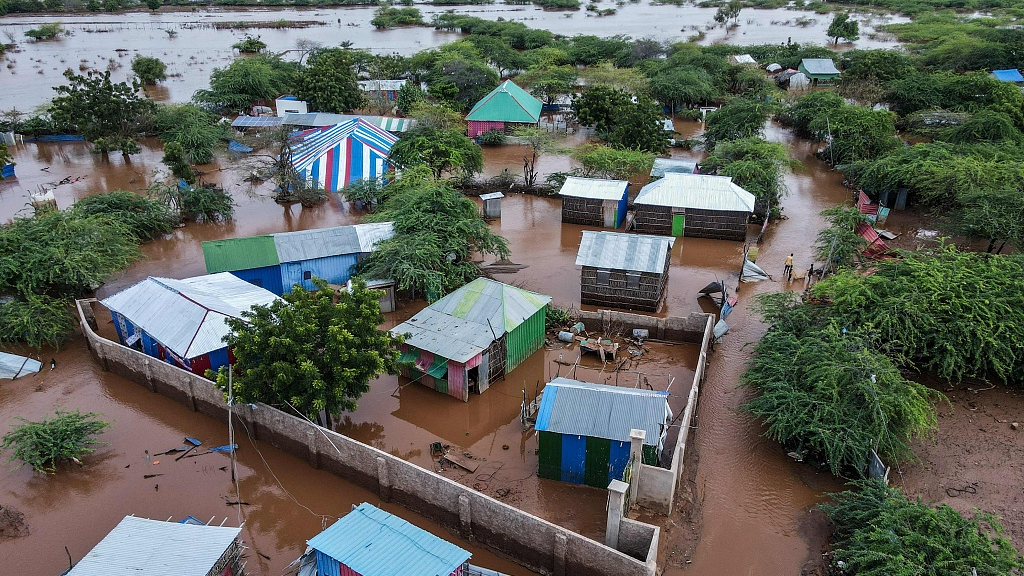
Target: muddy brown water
pixel 748 487
pixel 109 41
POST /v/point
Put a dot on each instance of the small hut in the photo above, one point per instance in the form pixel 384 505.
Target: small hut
pixel 492 204
pixel 505 108
pixel 694 205
pixel 819 70
pixel 623 270
pixel 371 542
pixel 183 322
pixel 584 430
pixel 144 547
pixel 594 202
pixel 472 337
pixel 664 166
pixel 335 156
pixel 279 261
pixel 386 90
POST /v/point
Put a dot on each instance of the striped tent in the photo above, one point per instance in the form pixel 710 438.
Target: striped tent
pixel 337 155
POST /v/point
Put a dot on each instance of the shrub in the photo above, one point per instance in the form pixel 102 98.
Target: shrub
pixel 38 321
pixel 250 45
pixel 149 70
pixel 143 216
pixel 46 443
pixel 46 31
pixel 390 17
pixel 492 138
pixel 203 203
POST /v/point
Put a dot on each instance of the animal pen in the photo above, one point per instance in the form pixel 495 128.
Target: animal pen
pixel 623 270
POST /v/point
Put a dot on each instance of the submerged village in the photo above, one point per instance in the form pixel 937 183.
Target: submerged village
pixel 481 289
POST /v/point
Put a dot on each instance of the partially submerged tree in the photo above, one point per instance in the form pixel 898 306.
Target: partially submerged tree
pixel 878 531
pixel 437 232
pixel 993 214
pixel 540 142
pixel 250 45
pixel 443 151
pixel 328 82
pixel 36 320
pixel 729 11
pixel 844 27
pixel 855 133
pixel 607 162
pixel 312 351
pixel 739 118
pixel 177 162
pixel 203 203
pixel 755 165
pixel 197 131
pixel 247 81
pixel 108 114
pixel 149 70
pixel 145 217
pixel 826 394
pixel 838 245
pixel 43 445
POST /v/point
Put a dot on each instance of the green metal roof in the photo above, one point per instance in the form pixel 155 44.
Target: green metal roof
pixel 507 103
pixel 240 254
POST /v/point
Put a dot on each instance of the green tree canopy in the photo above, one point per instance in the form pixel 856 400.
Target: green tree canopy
pixel 246 81
pixel 855 133
pixel 825 393
pixel 755 165
pixel 879 532
pixel 109 114
pixel 311 351
pixel 145 217
pixel 328 82
pixel 844 27
pixel 440 150
pixel 437 231
pixel 739 118
pixel 838 245
pixel 993 214
pixel 550 82
pixel 472 79
pixel 67 436
pixel 607 162
pixel 808 108
pixel 688 86
pixel 196 130
pixel 149 70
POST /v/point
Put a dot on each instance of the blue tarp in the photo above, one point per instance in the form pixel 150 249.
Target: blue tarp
pixel 7 171
pixel 238 147
pixel 57 138
pixel 1013 75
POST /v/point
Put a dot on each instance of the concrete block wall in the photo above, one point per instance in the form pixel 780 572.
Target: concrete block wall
pixel 528 540
pixel 690 328
pixel 657 486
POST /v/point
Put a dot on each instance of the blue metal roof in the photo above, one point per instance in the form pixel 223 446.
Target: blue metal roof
pixel 373 542
pixel 601 411
pixel 1008 75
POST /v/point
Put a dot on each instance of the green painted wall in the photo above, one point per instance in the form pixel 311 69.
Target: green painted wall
pixel 524 340
pixel 598 454
pixel 550 455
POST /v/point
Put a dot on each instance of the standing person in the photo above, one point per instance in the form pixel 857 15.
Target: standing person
pixel 788 270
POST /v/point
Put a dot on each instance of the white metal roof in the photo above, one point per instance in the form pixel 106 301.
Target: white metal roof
pixel 618 251
pixel 322 242
pixel 819 66
pixel 188 316
pixel 143 547
pixel 381 85
pixel 595 188
pixel 602 411
pixel 465 322
pixel 744 59
pixel 492 196
pixel 698 192
pixel 662 166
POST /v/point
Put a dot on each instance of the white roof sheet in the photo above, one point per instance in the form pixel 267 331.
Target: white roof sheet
pixel 698 192
pixel 465 322
pixel 323 242
pixel 602 411
pixel 381 85
pixel 492 196
pixel 188 316
pixel 13 365
pixel 744 59
pixel 618 251
pixel 143 547
pixel 595 188
pixel 662 166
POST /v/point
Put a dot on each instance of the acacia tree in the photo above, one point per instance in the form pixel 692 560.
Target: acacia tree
pixel 549 83
pixel 729 11
pixel 855 133
pixel 149 70
pixel 67 436
pixel 313 350
pixel 739 118
pixel 328 82
pixel 108 114
pixel 440 150
pixel 246 81
pixel 613 163
pixel 879 531
pixel 437 231
pixel 755 165
pixel 687 86
pixel 843 27
pixel 540 142
pixel 838 244
pixel 993 214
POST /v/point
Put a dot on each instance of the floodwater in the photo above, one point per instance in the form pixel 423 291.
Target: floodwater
pixel 109 41
pixel 746 484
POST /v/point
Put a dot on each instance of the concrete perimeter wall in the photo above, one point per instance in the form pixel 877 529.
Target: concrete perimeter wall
pixel 528 540
pixel 656 488
pixel 674 328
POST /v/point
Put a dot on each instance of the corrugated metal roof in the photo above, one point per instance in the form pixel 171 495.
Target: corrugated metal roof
pixel 664 166
pixel 600 411
pixel 696 191
pixel 239 253
pixel 1013 75
pixel 507 103
pixel 459 326
pixel 371 234
pixel 595 188
pixel 188 316
pixel 144 547
pixel 12 365
pixel 492 196
pixel 618 251
pixel 373 542
pixel 743 59
pixel 316 243
pixel 819 66
pixel 321 119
